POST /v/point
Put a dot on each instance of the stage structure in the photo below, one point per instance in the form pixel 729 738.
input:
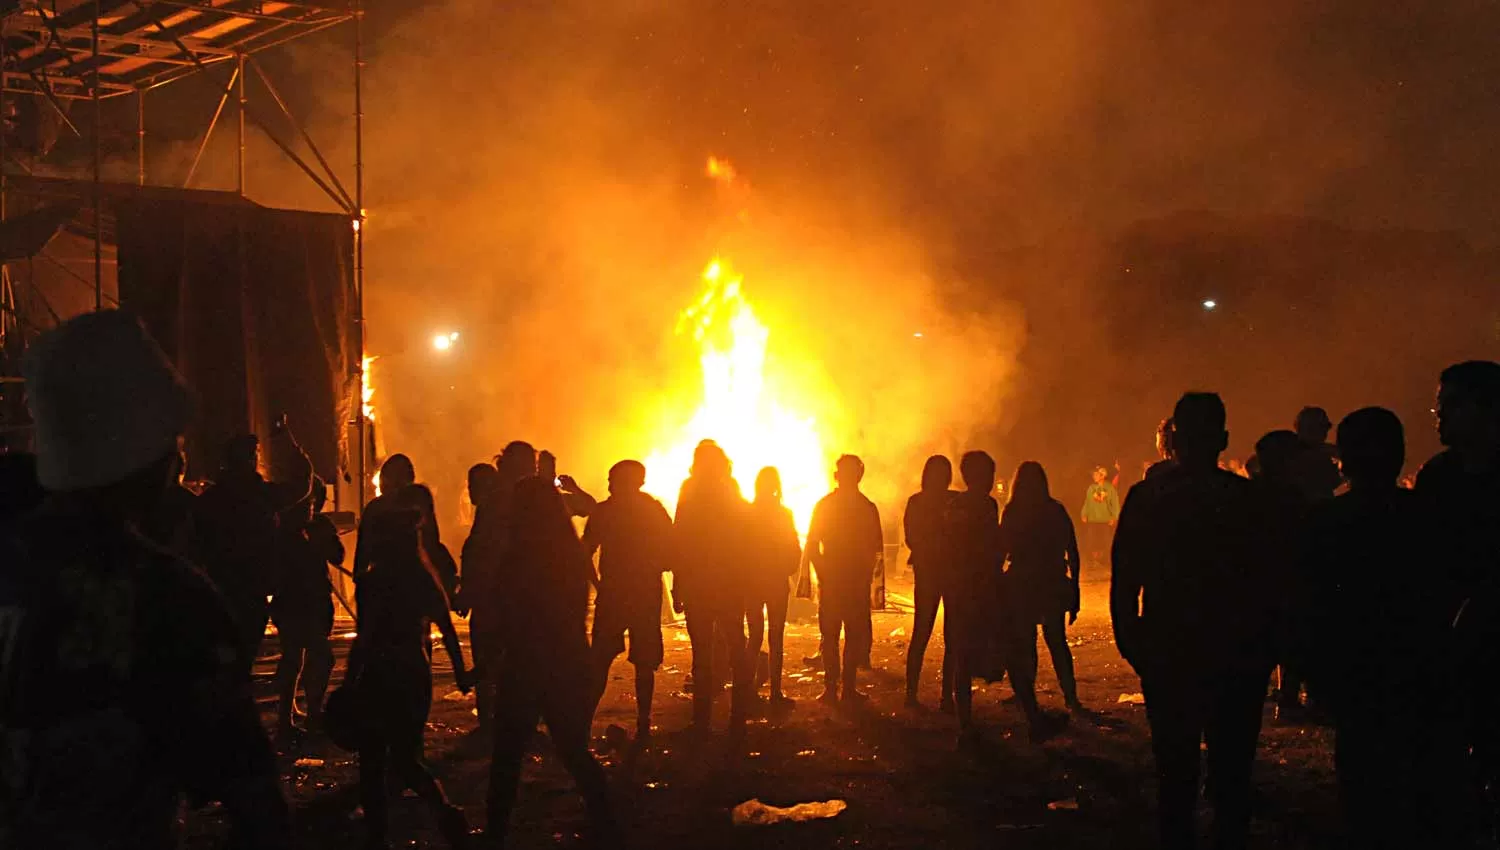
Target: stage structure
pixel 181 256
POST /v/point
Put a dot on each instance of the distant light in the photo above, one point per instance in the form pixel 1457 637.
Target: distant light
pixel 443 342
pixel 1210 304
pixel 918 334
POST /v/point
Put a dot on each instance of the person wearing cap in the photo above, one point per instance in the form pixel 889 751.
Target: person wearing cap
pixel 1316 466
pixel 120 684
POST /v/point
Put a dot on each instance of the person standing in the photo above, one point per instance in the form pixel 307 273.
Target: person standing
pixel 400 598
pixel 399 492
pixel 1193 596
pixel 1316 466
pixel 1277 455
pixel 632 533
pixel 927 538
pixel 302 608
pixel 547 674
pixel 1040 585
pixel 776 554
pixel 1383 649
pixel 1101 510
pixel 235 528
pixel 121 687
pixel 709 580
pixel 843 540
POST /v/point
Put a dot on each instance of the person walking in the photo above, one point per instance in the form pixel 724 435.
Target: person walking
pixel 843 540
pixel 400 598
pixel 1194 593
pixel 776 554
pixel 302 608
pixel 1101 510
pixel 927 539
pixel 121 684
pixel 1041 582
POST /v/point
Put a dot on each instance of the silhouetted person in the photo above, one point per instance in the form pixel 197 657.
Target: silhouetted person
pixel 483 482
pixel 632 533
pixel 483 553
pixel 775 556
pixel 577 500
pixel 1041 583
pixel 1278 458
pixel 1192 597
pixel 1101 509
pixel 1458 486
pixel 121 687
pixel 547 672
pixel 399 491
pixel 1383 648
pixel 925 524
pixel 1165 451
pixel 400 599
pixel 1316 466
pixel 303 607
pixel 709 582
pixel 171 524
pixel 235 527
pixel 843 540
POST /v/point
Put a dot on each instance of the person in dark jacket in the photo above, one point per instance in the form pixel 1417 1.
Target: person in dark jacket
pixel 1383 649
pixel 709 580
pixel 775 555
pixel 399 491
pixel 121 687
pixel 1316 465
pixel 1277 458
pixel 926 537
pixel 1193 599
pixel 235 528
pixel 632 533
pixel 302 608
pixel 400 599
pixel 1040 587
pixel 843 540
pixel 547 674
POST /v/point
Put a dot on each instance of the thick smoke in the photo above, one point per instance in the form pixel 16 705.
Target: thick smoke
pixel 535 175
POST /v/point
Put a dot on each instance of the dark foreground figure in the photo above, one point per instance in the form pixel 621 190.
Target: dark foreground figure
pixel 1192 600
pixel 843 540
pixel 121 679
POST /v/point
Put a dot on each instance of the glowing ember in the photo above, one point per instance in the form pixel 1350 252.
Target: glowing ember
pixel 720 170
pixel 740 410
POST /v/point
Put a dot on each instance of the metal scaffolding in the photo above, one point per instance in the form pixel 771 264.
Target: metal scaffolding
pixel 57 51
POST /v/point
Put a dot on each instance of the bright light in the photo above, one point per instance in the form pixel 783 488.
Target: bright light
pixel 918 335
pixel 1210 304
pixel 443 342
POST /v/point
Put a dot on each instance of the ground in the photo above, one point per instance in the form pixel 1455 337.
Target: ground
pixel 905 781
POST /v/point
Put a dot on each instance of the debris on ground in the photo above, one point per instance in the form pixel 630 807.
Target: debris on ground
pixel 756 813
pixel 1068 805
pixel 308 762
pixel 1132 699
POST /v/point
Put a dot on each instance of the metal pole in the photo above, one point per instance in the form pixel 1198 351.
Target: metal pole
pixel 359 231
pixel 98 167
pixel 140 137
pixel 212 123
pixel 240 185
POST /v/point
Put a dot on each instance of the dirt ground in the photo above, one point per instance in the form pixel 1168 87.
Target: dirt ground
pixel 904 779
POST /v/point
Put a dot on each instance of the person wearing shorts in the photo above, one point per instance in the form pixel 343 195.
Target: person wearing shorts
pixel 632 532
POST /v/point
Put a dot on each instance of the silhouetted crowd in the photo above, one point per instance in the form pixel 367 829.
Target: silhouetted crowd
pixel 133 609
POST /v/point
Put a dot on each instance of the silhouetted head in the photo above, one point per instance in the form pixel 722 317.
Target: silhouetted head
pixel 396 473
pixel 1198 428
pixel 546 465
pixel 978 472
pixel 1275 455
pixel 484 480
pixel 1029 485
pixel 516 461
pixel 1312 425
pixel 937 474
pixel 1100 474
pixel 627 476
pixel 1372 446
pixel 1468 407
pixel 241 456
pixel 768 486
pixel 1164 437
pixel 709 461
pixel 848 471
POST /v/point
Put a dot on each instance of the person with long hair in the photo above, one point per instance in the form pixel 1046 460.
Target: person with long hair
pixel 927 538
pixel 399 599
pixel 776 554
pixel 1041 581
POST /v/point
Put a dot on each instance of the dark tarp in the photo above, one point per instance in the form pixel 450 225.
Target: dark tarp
pixel 257 308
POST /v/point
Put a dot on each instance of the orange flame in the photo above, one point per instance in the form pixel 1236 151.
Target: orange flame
pixel 740 410
pixel 366 387
pixel 721 170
